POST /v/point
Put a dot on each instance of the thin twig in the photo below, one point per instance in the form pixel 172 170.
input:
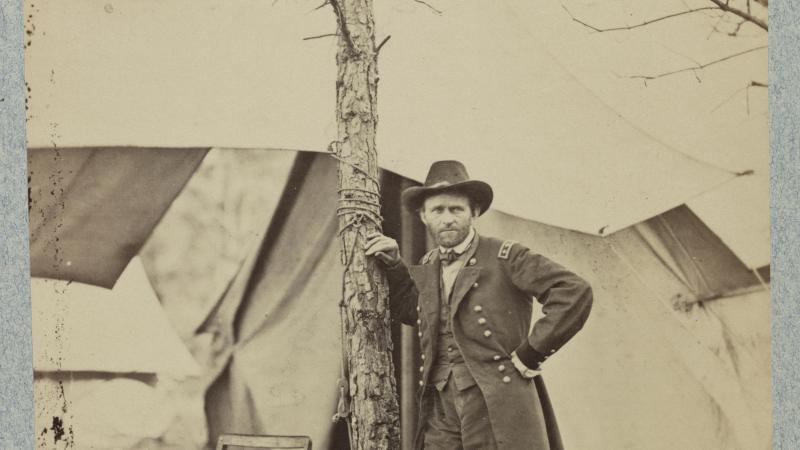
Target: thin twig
pixel 647 22
pixel 378 48
pixel 729 98
pixel 429 6
pixel 735 31
pixel 714 27
pixel 699 66
pixel 324 4
pixel 743 14
pixel 320 36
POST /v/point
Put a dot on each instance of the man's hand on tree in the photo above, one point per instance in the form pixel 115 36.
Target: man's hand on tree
pixel 384 248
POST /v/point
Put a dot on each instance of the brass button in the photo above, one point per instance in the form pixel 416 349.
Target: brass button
pixel 449 348
pixel 552 351
pixel 472 261
pixel 421 383
pixel 482 320
pixel 422 356
pixel 419 333
pixel 419 309
pixel 506 379
pixel 478 308
pixel 496 357
pixel 501 368
pixel 487 333
pixel 419 321
pixel 421 369
pixel 475 285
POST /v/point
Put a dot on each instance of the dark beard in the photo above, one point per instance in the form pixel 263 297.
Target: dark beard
pixel 459 238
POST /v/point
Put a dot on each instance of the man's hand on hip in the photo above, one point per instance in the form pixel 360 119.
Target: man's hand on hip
pixel 384 248
pixel 524 370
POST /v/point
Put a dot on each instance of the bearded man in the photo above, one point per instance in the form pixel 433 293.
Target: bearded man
pixel 471 299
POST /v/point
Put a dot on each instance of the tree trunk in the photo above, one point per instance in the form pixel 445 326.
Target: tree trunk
pixel 370 400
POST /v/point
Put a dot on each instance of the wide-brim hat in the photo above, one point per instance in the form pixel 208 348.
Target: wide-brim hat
pixel 448 176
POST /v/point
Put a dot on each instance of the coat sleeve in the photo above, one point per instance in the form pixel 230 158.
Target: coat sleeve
pixel 403 294
pixel 566 302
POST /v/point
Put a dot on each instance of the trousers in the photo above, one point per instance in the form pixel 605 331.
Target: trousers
pixel 459 420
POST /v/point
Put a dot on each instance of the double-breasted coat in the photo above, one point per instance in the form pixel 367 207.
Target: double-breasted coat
pixel 491 306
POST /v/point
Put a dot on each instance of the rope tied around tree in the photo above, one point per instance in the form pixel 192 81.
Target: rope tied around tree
pixel 358 206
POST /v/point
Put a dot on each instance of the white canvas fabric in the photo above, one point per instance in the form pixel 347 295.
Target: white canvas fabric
pixel 82 328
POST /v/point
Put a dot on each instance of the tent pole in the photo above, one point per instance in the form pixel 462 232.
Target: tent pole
pixel 412 246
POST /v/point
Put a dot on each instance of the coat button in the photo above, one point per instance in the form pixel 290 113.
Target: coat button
pixel 421 383
pixel 487 333
pixel 419 321
pixel 501 368
pixel 419 333
pixel 482 321
pixel 496 357
pixel 552 351
pixel 422 356
pixel 506 379
pixel 472 261
pixel 419 309
pixel 475 285
pixel 421 369
pixel 478 308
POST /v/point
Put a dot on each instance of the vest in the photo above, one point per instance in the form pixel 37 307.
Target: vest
pixel 448 359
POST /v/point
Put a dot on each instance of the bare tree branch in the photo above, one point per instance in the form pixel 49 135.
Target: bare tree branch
pixel 735 31
pixel 378 48
pixel 723 5
pixel 320 36
pixel 647 22
pixel 697 66
pixel 749 85
pixel 720 5
pixel 324 4
pixel 714 27
pixel 423 2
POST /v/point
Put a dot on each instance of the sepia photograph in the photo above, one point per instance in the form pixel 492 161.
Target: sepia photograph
pixel 399 224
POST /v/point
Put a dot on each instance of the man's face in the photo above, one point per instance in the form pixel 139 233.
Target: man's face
pixel 448 218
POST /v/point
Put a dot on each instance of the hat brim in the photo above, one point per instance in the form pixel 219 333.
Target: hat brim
pixel 480 193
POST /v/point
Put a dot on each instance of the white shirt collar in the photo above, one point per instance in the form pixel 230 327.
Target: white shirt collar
pixel 463 246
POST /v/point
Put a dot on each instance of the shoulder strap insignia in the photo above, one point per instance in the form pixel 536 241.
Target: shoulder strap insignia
pixel 505 249
pixel 428 256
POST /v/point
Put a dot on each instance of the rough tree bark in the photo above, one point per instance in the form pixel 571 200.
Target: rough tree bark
pixel 369 396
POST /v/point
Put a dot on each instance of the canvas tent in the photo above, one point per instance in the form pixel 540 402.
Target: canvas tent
pixel 103 360
pixel 654 368
pixel 656 192
pixel 651 360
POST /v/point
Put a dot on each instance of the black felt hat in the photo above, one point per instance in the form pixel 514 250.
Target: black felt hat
pixel 448 176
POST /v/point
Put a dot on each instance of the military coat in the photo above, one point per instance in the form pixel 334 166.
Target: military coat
pixel 491 307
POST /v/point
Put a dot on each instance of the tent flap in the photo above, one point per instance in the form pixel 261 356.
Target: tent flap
pixel 93 208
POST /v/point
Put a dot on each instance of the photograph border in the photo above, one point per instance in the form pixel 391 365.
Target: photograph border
pixel 16 372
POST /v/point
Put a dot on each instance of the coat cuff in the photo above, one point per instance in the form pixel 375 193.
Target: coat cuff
pixel 529 356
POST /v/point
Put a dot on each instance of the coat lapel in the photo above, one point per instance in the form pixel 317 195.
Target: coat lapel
pixel 466 277
pixel 464 281
pixel 427 277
